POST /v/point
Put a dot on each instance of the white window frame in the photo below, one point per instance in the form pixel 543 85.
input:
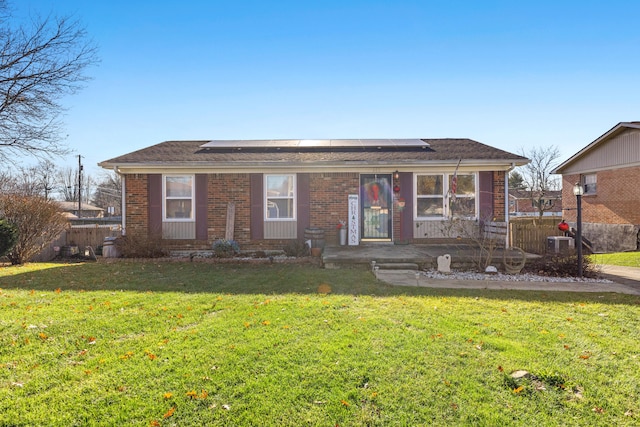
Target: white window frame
pixel 292 196
pixel 438 196
pixel 165 198
pixel 445 196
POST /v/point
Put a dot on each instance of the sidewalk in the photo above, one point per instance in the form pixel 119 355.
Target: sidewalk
pixel 624 275
pixel 626 281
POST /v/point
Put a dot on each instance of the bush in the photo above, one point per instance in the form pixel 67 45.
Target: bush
pixel 554 265
pixel 297 249
pixel 38 222
pixel 140 245
pixel 223 248
pixel 8 237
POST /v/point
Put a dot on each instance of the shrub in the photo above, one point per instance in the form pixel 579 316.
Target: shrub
pixel 140 245
pixel 8 237
pixel 555 265
pixel 223 248
pixel 296 248
pixel 38 222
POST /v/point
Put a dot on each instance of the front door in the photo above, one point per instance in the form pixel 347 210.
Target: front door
pixel 376 202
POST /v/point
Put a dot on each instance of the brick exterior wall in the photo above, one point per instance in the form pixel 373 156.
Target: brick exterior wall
pixel 498 195
pixel 137 203
pixel 222 189
pixel 328 205
pixel 617 198
pixel 329 196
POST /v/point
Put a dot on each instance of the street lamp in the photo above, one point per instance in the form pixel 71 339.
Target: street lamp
pixel 578 191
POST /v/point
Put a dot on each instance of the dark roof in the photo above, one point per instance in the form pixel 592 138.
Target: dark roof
pixel 192 152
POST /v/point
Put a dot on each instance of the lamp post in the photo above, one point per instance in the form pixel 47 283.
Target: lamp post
pixel 578 191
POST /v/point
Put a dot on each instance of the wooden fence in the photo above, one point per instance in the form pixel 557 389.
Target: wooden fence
pixel 90 235
pixel 530 234
pixel 79 235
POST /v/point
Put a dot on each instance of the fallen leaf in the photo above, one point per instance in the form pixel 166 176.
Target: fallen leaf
pixel 170 412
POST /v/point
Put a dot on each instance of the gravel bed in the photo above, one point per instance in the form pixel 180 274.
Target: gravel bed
pixel 523 277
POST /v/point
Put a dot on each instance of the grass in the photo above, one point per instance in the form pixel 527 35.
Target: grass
pixel 624 259
pixel 169 343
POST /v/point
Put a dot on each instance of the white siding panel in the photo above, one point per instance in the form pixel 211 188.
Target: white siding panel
pixel 280 230
pixel 444 229
pixel 179 230
pixel 621 150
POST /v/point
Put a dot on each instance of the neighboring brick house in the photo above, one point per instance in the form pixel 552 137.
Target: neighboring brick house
pixel 523 203
pixel 387 190
pixel 609 171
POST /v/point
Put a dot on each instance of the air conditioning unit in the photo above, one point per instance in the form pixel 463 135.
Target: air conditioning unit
pixel 560 244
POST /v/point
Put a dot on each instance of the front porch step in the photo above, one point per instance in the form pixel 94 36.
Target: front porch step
pixel 397 266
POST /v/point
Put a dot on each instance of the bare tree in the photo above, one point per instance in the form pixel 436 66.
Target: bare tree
pixel 36 180
pixel 67 179
pixel 41 62
pixel 108 193
pixel 537 177
pixel 68 184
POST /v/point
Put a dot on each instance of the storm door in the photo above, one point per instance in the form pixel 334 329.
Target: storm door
pixel 376 202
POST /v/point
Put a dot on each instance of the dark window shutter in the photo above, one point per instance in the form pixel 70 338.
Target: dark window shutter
pixel 304 202
pixel 201 207
pixel 486 196
pixel 406 216
pixel 257 206
pixel 154 188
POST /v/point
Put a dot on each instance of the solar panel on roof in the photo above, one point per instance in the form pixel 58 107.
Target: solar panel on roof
pixel 315 143
pixel 335 143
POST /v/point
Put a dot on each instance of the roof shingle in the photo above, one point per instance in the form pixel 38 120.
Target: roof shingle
pixel 183 152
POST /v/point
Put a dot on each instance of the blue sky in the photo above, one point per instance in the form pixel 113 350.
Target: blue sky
pixel 509 74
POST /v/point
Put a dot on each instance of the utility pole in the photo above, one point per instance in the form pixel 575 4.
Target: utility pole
pixel 79 186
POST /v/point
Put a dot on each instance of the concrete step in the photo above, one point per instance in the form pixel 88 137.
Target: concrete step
pixel 397 266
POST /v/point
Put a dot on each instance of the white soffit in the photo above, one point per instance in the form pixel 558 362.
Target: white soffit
pixel 320 143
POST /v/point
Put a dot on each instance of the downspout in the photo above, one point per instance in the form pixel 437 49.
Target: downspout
pixel 123 205
pixel 506 204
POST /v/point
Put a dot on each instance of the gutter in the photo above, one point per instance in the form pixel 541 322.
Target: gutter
pixel 343 166
pixel 123 205
pixel 506 203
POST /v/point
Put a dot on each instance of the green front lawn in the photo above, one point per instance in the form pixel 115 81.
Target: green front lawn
pixel 172 343
pixel 625 259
